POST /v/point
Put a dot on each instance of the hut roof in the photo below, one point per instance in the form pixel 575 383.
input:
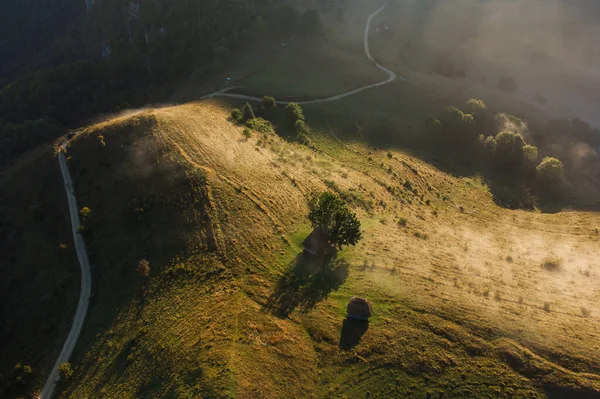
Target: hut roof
pixel 360 308
pixel 316 243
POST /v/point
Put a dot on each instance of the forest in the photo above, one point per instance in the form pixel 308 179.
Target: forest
pixel 77 60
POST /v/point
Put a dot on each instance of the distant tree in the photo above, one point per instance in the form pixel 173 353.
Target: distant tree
pixel 310 23
pixel 458 125
pixel 85 212
pixel 143 268
pixel 65 371
pixel 452 117
pixel 487 146
pixel 434 125
pixel 531 153
pixel 302 132
pixel 247 112
pixel 269 102
pixel 331 214
pixel 293 113
pixel 550 173
pixel 475 107
pixel 236 115
pixel 509 151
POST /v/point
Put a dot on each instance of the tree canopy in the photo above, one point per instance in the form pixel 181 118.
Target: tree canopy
pixel 331 214
pixel 509 151
pixel 550 172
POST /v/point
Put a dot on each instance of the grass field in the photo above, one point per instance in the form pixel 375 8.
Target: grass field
pixel 463 304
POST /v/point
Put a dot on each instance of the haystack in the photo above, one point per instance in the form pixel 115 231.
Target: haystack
pixel 359 308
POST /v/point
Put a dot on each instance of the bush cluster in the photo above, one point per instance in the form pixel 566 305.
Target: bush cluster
pixel 506 154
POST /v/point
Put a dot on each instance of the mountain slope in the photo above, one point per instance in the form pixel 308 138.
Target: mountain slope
pixel 232 309
pixel 38 270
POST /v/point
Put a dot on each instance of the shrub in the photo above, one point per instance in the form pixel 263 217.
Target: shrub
pixel 236 115
pixel 549 173
pixel 434 125
pixel 421 236
pixel 468 120
pixel 260 125
pixel 293 113
pixel 458 124
pixel 452 118
pixel 402 221
pixel 489 146
pixel 531 153
pixel 475 107
pixel 85 212
pixel 269 102
pixel 65 371
pixel 143 268
pixel 246 133
pixel 301 127
pixel 586 312
pixel 390 155
pixel 247 112
pixel 551 263
pixel 509 151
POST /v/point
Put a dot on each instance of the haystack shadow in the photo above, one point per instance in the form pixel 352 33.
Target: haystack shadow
pixel 352 332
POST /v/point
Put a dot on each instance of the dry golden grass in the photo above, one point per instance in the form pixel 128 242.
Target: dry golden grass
pixel 451 313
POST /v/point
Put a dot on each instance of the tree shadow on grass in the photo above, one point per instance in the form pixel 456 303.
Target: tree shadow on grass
pixel 352 332
pixel 309 280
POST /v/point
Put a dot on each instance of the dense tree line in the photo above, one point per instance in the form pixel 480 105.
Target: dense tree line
pixel 497 146
pixel 113 54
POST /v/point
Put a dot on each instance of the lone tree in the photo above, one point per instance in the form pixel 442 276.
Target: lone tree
pixel 247 112
pixel 143 268
pixel 331 214
pixel 269 102
pixel 475 107
pixel 65 371
pixel 293 114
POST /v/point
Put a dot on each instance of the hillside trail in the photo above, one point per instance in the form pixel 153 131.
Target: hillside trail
pixel 86 278
pixel 391 78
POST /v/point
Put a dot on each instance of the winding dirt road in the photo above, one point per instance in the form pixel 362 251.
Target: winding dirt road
pixel 391 77
pixel 86 278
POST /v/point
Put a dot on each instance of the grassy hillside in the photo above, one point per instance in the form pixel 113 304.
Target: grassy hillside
pixel 467 301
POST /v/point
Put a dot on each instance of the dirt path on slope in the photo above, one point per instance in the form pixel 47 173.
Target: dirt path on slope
pixel 391 77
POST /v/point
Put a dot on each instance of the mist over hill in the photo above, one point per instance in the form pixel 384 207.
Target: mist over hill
pixel 542 52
